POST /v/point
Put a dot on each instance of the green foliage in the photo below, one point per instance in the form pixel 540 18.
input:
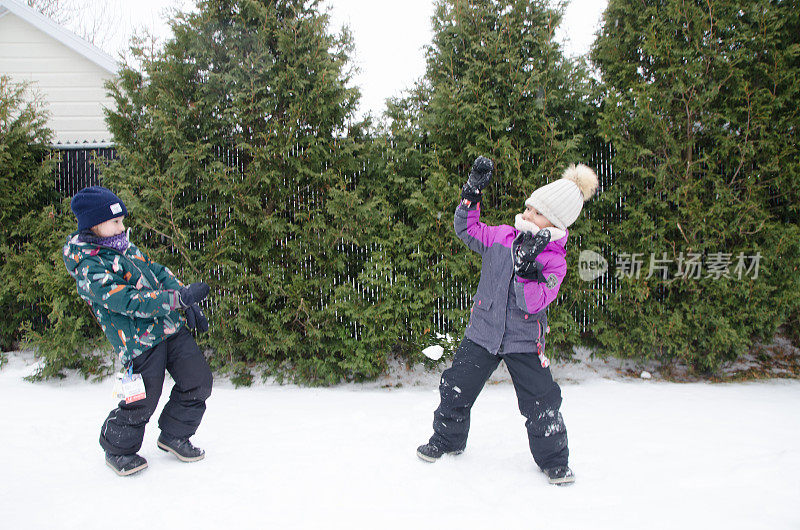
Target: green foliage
pixel 37 296
pixel 329 243
pixel 236 164
pixel 25 186
pixel 69 337
pixel 701 107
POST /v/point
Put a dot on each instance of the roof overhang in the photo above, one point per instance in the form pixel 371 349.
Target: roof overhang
pixel 61 34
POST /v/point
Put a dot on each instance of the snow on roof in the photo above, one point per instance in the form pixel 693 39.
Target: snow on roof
pixel 61 34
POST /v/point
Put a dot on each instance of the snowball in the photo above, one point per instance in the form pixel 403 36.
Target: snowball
pixel 646 375
pixel 433 352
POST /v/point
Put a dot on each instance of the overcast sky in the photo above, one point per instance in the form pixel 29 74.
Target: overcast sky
pixel 389 35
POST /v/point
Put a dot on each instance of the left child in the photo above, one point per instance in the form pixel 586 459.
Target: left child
pixel 144 311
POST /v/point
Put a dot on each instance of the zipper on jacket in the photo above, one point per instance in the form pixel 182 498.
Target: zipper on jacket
pixel 508 296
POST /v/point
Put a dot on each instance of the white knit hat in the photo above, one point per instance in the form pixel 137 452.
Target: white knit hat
pixel 561 201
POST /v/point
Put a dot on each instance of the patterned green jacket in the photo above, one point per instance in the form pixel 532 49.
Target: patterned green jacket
pixel 133 298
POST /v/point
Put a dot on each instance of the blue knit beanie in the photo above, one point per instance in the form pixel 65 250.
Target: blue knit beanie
pixel 95 205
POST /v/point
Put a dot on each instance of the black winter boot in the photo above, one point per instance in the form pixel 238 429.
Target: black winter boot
pixel 124 465
pixel 560 475
pixel 180 447
pixel 431 453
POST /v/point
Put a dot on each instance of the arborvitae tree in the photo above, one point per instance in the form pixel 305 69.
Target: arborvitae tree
pixel 35 295
pixel 237 161
pixel 25 186
pixel 63 331
pixel 497 84
pixel 701 108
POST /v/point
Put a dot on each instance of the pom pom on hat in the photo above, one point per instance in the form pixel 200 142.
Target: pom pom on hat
pixel 583 177
pixel 562 200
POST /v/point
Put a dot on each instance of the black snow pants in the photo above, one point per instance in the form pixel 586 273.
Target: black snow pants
pixel 123 430
pixel 539 399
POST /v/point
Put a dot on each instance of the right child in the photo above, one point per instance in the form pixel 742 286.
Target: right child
pixel 522 269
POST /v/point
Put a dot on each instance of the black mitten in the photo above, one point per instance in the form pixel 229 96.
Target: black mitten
pixel 525 249
pixel 193 294
pixel 470 194
pixel 196 319
pixel 481 173
pixel 479 177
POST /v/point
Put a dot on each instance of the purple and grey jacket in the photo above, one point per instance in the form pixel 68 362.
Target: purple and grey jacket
pixel 509 314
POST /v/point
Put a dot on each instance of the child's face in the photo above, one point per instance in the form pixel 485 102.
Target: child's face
pixel 109 228
pixel 532 215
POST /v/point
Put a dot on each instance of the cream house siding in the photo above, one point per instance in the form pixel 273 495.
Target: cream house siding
pixel 70 84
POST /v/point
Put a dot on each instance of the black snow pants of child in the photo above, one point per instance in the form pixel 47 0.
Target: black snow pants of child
pixel 539 399
pixel 123 430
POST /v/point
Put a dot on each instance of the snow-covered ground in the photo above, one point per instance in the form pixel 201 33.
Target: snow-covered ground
pixel 647 454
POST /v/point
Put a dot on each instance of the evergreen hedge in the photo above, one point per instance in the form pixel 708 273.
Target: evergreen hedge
pixel 24 188
pixel 328 242
pixel 701 107
pixel 33 224
pixel 237 149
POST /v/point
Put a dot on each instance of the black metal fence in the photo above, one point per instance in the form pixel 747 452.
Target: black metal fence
pixel 77 167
